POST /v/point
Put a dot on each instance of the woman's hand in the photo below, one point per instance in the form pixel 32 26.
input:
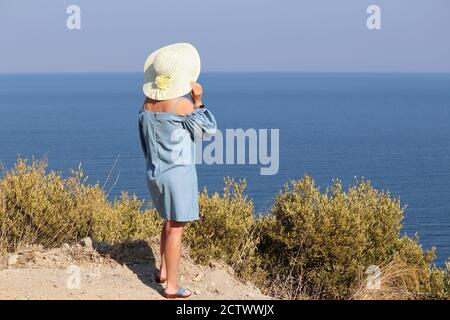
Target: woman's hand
pixel 196 93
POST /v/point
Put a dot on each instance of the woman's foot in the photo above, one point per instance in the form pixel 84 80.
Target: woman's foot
pixel 160 277
pixel 179 293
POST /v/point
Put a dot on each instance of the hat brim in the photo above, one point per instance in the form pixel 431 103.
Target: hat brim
pixel 189 70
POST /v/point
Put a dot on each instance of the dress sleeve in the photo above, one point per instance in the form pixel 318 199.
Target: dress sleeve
pixel 200 123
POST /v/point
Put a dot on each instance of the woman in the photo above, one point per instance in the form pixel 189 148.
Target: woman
pixel 169 124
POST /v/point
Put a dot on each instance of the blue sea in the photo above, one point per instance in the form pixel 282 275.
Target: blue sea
pixel 393 129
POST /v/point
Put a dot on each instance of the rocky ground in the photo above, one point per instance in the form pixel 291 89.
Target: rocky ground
pixel 100 271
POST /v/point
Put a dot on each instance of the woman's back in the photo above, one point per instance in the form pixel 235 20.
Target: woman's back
pixel 179 106
pixel 168 130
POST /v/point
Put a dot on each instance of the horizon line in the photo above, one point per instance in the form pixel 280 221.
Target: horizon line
pixel 226 72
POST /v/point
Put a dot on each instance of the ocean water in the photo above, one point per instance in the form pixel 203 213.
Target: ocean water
pixel 393 129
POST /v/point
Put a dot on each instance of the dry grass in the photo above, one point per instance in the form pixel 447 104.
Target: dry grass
pixel 398 281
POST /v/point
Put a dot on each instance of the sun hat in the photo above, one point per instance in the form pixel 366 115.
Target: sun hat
pixel 168 71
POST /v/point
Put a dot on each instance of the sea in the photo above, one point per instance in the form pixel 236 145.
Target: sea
pixel 390 128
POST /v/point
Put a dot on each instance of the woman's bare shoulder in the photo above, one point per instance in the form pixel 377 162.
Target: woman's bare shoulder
pixel 185 106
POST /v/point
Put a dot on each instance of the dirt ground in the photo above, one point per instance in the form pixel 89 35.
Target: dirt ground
pixel 100 271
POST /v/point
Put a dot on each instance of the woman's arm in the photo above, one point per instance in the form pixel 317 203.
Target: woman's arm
pixel 196 94
pixel 201 121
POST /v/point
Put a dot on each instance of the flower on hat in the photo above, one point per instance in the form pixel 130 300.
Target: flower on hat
pixel 162 82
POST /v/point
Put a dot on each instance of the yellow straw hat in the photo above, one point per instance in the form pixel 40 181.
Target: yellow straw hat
pixel 168 71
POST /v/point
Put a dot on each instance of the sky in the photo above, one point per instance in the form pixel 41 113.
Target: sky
pixel 231 35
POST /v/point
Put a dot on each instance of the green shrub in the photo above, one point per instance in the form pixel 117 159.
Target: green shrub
pixel 39 207
pixel 125 220
pixel 432 281
pixel 226 230
pixel 320 244
pixel 311 244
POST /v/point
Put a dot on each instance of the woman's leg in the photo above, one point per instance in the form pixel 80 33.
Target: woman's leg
pixel 162 267
pixel 172 253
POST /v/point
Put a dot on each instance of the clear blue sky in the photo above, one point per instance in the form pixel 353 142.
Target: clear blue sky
pixel 231 35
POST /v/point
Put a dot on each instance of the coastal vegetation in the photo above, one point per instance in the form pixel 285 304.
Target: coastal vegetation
pixel 336 244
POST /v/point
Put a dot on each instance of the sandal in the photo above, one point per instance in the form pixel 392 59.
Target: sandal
pixel 179 294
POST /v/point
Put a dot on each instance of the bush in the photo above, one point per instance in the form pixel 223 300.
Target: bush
pixel 432 282
pixel 311 244
pixel 44 208
pixel 125 220
pixel 226 230
pixel 320 244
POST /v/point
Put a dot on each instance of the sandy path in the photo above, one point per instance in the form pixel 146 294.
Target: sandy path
pixel 120 272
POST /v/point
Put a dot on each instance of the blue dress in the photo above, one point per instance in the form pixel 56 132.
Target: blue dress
pixel 168 143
